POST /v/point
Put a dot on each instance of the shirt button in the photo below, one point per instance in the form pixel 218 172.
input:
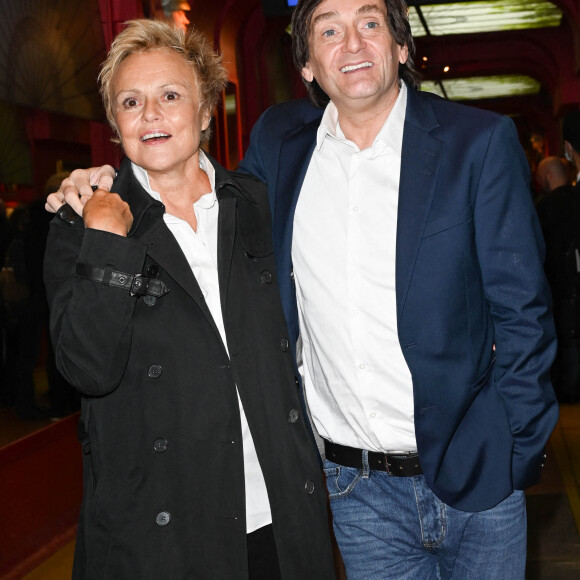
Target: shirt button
pixel 372 415
pixel 266 277
pixel 154 371
pixel 160 445
pixel 309 487
pixel 284 344
pixel 293 416
pixel 355 208
pixel 163 518
pixel 362 366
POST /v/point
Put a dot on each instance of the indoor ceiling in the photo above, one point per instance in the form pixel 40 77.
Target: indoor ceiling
pixel 430 21
pixel 482 16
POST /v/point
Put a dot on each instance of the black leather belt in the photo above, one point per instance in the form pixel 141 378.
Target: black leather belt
pixel 398 465
pixel 137 284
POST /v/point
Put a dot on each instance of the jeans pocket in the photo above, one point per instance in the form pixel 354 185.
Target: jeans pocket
pixel 340 480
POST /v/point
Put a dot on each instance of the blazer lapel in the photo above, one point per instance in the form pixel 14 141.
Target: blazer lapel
pixel 420 160
pixel 295 155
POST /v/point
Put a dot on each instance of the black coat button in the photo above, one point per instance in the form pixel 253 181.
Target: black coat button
pixel 284 344
pixel 309 487
pixel 266 277
pixel 163 518
pixel 160 445
pixel 154 371
pixel 293 416
pixel 149 300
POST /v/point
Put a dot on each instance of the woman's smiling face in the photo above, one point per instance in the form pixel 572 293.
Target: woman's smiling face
pixel 157 110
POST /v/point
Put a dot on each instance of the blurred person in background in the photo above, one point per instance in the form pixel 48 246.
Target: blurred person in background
pixel 559 214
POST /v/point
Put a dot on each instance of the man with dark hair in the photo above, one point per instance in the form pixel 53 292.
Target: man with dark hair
pixel 409 259
pixel 404 227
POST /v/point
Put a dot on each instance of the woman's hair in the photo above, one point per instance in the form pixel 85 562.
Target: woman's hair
pixel 399 27
pixel 144 35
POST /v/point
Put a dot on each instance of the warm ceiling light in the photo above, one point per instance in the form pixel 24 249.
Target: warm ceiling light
pixel 445 69
pixel 476 88
pixel 483 16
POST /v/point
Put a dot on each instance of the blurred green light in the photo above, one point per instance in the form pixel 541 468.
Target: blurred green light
pixel 476 88
pixel 484 16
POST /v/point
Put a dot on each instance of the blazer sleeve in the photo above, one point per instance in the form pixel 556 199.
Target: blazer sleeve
pixel 253 162
pixel 511 251
pixel 90 323
pixel 269 132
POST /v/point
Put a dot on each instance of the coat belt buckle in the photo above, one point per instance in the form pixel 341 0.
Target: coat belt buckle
pixel 139 285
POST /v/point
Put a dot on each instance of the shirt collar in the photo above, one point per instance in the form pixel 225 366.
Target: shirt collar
pixel 205 201
pixel 389 137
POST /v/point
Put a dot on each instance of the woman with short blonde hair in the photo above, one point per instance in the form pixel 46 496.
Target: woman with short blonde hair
pixel 144 35
pixel 166 316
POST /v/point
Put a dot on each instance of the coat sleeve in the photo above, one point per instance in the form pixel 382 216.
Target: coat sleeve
pixel 90 323
pixel 510 249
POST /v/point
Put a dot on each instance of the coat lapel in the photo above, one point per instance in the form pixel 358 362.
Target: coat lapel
pixel 226 237
pixel 150 228
pixel 164 249
pixel 420 160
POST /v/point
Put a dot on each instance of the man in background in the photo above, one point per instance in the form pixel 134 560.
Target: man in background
pixel 559 213
pixel 552 173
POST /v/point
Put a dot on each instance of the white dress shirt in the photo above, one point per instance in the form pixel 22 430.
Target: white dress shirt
pixel 200 249
pixel 357 383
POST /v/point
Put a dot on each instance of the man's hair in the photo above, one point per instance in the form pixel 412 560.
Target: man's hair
pixel 571 130
pixel 143 35
pixel 399 27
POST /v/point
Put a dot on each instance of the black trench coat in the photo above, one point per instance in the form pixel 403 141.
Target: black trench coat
pixel 160 426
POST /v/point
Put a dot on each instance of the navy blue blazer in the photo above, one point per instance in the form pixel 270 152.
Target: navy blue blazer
pixel 473 305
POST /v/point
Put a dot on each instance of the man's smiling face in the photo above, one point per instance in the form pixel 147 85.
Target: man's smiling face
pixel 353 55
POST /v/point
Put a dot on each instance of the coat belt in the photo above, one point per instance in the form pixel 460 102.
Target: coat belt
pixel 137 284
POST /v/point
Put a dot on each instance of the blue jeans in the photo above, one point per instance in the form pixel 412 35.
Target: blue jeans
pixel 395 527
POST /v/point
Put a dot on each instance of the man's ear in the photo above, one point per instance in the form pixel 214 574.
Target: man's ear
pixel 307 73
pixel 404 54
